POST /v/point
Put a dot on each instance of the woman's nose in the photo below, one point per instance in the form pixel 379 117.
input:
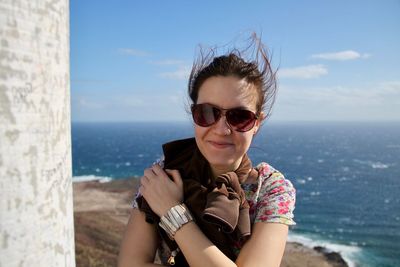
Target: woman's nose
pixel 222 127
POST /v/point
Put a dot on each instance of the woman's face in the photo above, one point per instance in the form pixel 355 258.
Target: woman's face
pixel 222 146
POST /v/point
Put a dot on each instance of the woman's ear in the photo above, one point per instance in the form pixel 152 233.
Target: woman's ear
pixel 257 126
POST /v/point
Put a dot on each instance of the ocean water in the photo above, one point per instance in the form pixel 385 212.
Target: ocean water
pixel 347 176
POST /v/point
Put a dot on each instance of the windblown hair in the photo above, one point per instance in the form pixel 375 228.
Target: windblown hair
pixel 251 64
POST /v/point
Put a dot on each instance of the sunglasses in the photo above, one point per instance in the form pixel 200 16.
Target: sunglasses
pixel 239 119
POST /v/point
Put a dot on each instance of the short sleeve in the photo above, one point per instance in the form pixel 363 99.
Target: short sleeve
pixel 277 198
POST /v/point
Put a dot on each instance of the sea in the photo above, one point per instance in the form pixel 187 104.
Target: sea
pixel 346 174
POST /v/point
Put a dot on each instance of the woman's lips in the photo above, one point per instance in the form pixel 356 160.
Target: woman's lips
pixel 220 144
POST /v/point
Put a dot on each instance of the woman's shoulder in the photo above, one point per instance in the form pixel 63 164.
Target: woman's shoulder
pixel 276 196
pixel 270 179
pixel 264 169
pixel 268 172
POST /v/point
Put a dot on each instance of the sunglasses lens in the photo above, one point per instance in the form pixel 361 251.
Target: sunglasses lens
pixel 205 115
pixel 241 120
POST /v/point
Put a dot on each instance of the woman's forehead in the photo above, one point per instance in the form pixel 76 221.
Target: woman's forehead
pixel 228 92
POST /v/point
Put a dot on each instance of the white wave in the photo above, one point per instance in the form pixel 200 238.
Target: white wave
pixel 301 181
pixel 345 169
pixel 87 178
pixel 374 165
pixel 393 146
pixel 350 253
pixel 379 165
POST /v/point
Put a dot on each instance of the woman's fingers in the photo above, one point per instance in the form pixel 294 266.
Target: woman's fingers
pixel 149 173
pixel 176 176
pixel 157 170
pixel 144 180
pixel 160 191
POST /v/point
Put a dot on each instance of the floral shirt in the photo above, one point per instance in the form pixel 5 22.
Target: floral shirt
pixel 271 199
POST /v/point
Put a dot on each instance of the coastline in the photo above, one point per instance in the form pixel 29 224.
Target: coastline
pixel 101 211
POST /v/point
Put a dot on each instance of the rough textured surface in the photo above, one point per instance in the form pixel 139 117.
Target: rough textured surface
pixel 102 211
pixel 35 142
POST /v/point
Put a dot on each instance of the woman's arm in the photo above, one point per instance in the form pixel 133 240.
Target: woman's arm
pixel 197 248
pixel 139 244
pixel 265 247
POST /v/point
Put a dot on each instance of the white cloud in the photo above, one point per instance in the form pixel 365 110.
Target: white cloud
pixel 151 106
pixel 303 72
pixel 374 95
pixel 341 56
pixel 391 86
pixel 147 99
pixel 89 82
pixel 368 102
pixel 182 73
pixel 365 102
pixel 365 55
pixel 162 104
pixel 89 104
pixel 167 62
pixel 133 52
pixel 131 101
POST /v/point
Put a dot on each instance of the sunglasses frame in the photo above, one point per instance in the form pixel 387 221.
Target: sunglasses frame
pixel 223 112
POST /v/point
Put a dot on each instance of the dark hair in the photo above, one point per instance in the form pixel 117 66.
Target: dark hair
pixel 257 72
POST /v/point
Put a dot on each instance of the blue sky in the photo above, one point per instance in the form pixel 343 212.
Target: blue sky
pixel 338 60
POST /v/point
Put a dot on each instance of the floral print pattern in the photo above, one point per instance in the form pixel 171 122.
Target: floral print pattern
pixel 275 200
pixel 272 198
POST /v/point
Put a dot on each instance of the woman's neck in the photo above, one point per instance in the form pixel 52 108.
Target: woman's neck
pixel 218 170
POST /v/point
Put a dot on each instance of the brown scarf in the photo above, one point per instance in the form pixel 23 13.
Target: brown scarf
pixel 218 205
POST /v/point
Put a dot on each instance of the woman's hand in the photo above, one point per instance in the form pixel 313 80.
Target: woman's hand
pixel 160 192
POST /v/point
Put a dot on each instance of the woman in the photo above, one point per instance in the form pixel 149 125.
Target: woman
pixel 205 205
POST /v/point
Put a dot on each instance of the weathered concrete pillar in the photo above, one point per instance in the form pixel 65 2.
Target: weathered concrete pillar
pixel 36 214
